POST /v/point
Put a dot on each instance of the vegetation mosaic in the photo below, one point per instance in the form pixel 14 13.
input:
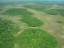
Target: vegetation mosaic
pixel 27 26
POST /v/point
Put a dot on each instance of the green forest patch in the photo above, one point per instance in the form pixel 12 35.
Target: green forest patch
pixel 6 40
pixel 31 21
pixel 36 38
pixel 7 28
pixel 17 11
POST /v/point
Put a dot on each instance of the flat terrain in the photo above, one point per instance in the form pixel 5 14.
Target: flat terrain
pixel 32 26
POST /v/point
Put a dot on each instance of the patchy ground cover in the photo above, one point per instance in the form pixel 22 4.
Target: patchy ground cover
pixel 31 21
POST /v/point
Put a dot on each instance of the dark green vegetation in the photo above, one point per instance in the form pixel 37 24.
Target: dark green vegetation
pixel 6 29
pixel 6 40
pixel 31 21
pixel 36 38
pixel 17 11
pixel 8 26
pixel 60 21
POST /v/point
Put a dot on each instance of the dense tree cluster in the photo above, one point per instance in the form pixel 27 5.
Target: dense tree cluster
pixel 31 21
pixel 36 38
pixel 6 37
